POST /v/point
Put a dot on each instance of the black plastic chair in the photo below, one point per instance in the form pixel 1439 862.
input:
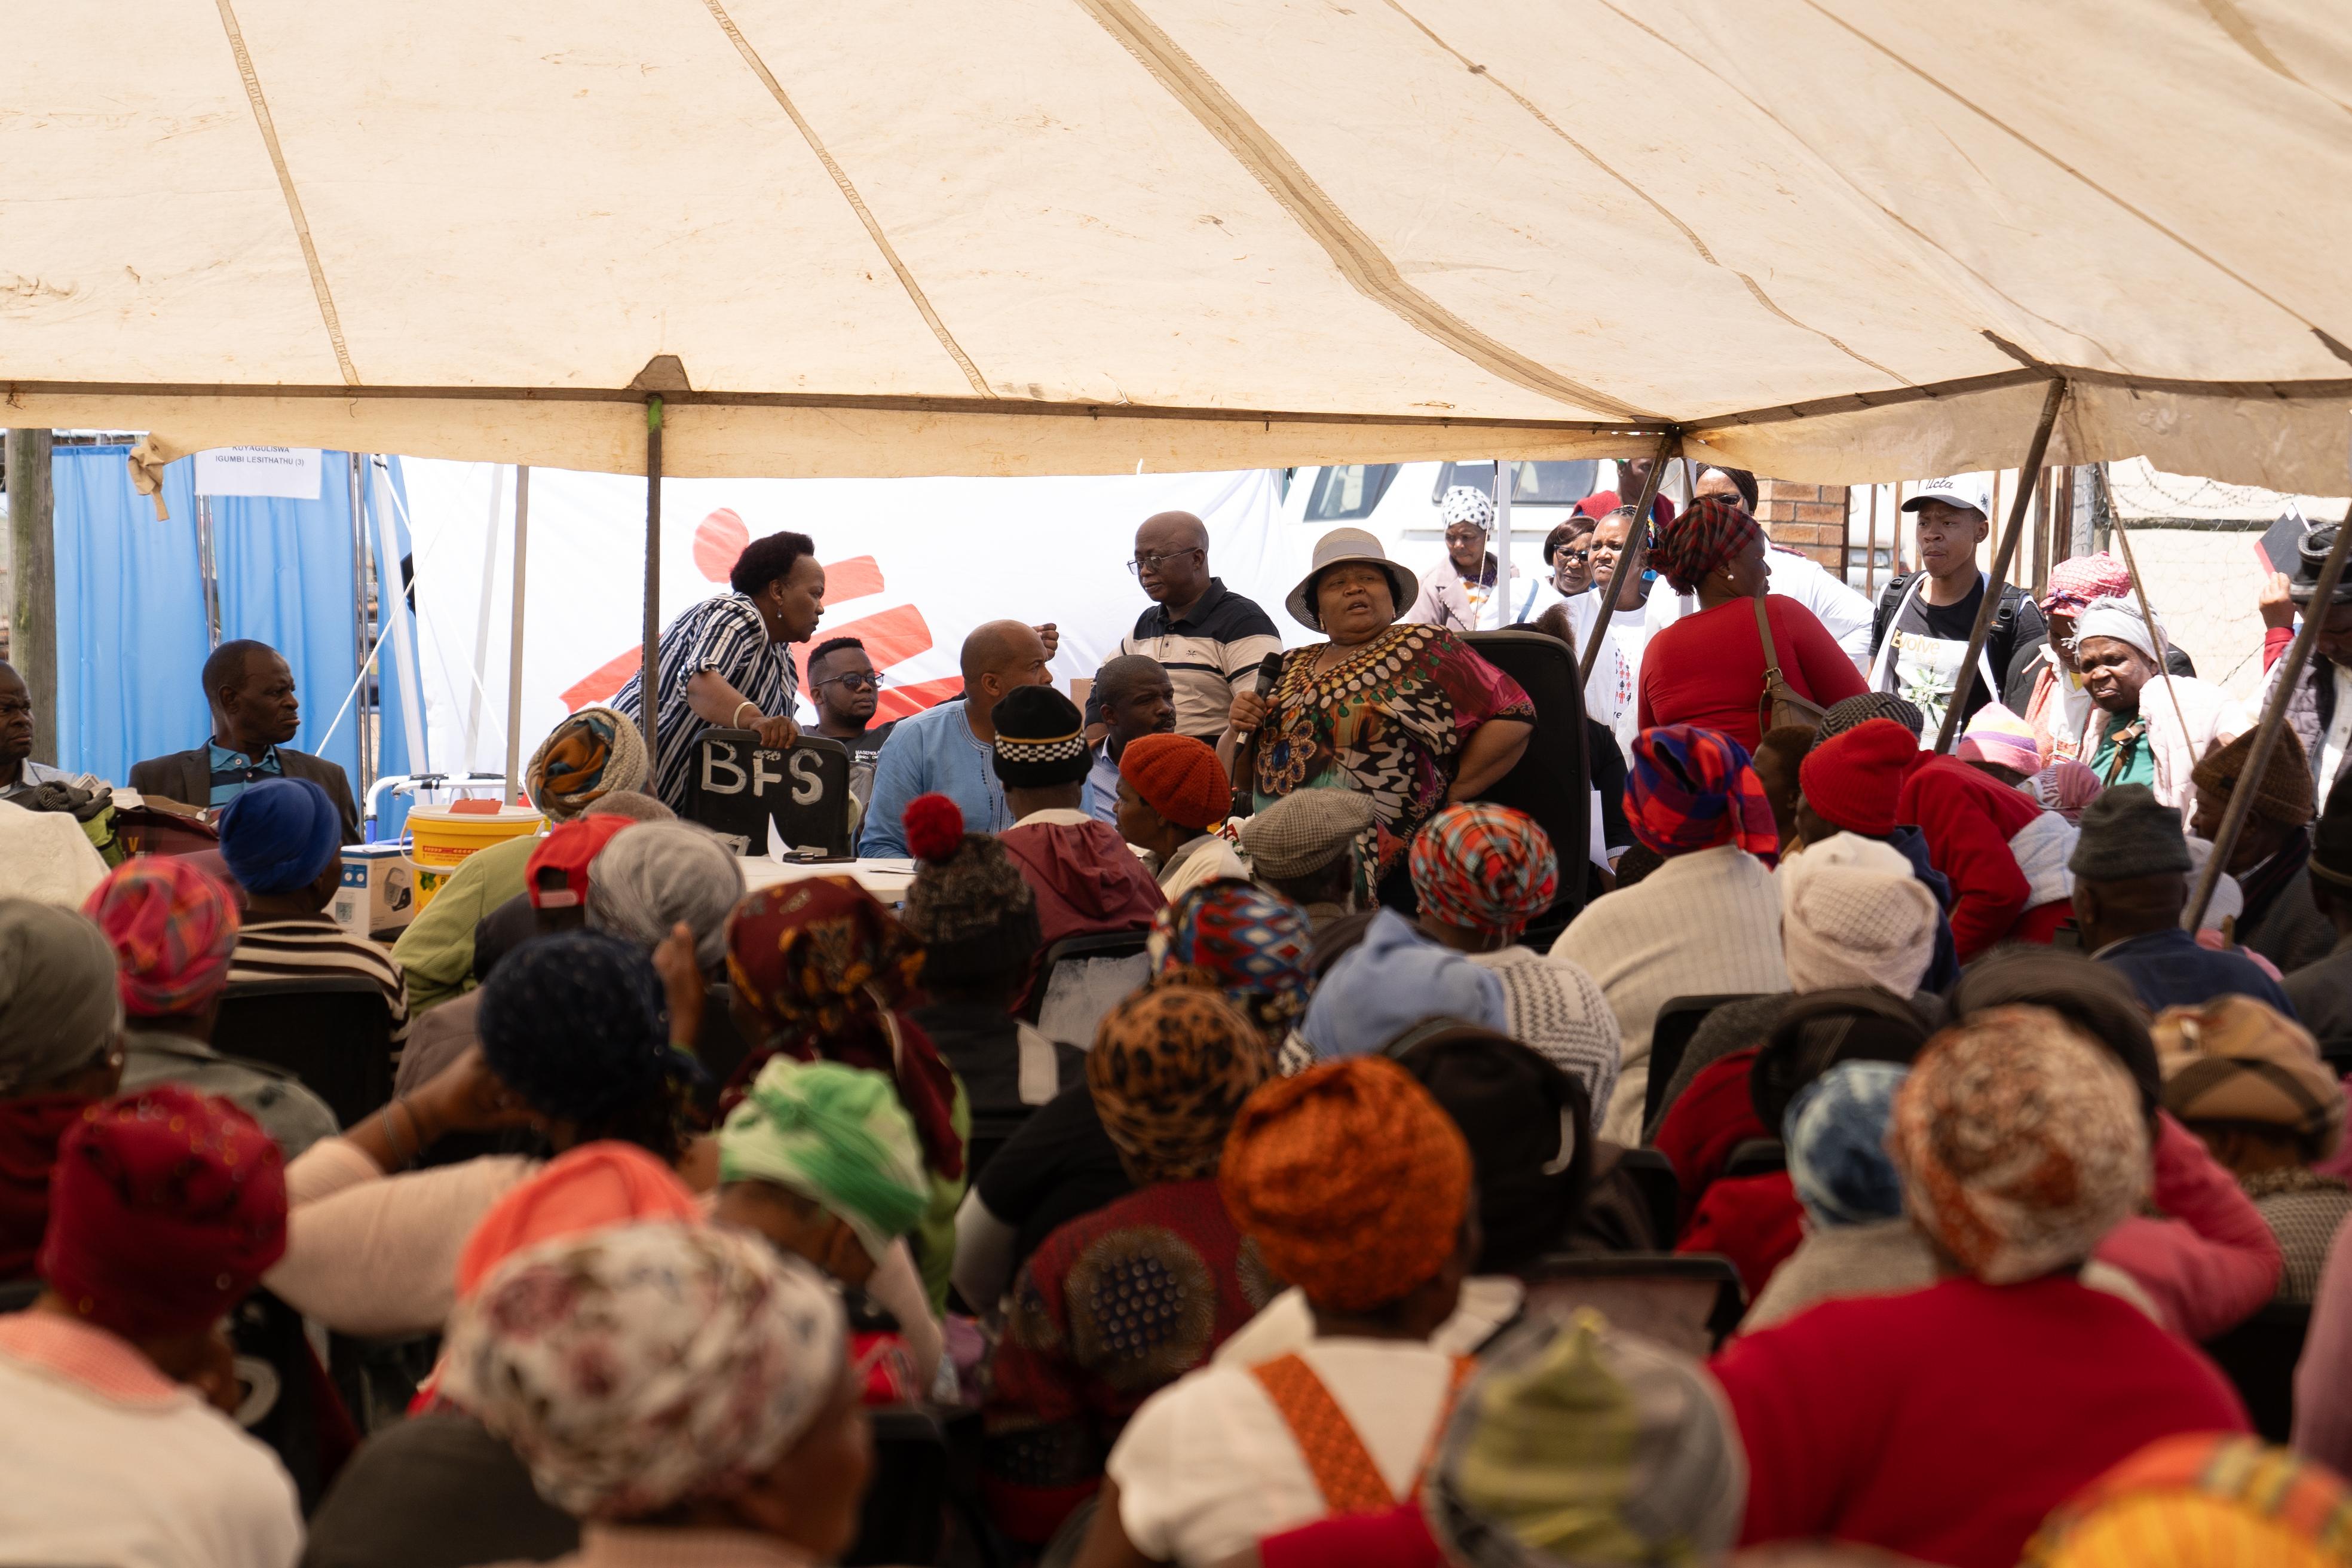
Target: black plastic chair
pixel 1689 1302
pixel 1083 949
pixel 1755 1157
pixel 1549 781
pixel 2258 1356
pixel 1670 1036
pixel 1653 1174
pixel 330 1030
pixel 904 1517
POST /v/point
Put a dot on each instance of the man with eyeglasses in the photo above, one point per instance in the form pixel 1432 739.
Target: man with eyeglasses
pixel 1209 639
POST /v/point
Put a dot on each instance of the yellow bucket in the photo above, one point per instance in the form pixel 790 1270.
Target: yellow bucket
pixel 444 836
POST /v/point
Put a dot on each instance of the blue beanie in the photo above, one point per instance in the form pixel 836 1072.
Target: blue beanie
pixel 577 1025
pixel 1836 1139
pixel 1393 979
pixel 279 835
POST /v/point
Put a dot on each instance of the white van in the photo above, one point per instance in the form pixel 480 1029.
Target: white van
pixel 1397 503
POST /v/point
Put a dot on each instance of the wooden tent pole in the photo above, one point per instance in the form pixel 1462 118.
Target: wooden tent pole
pixel 1637 549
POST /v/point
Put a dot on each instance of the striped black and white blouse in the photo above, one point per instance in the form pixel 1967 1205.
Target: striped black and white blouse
pixel 725 635
pixel 303 949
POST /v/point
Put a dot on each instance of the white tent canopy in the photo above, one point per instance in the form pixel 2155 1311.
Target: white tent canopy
pixel 1828 239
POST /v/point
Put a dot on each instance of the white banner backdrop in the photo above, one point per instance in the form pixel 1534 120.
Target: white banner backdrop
pixel 912 566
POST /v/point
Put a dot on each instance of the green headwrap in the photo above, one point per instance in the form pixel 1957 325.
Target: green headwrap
pixel 837 1136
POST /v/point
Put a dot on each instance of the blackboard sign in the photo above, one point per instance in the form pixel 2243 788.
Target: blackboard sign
pixel 740 786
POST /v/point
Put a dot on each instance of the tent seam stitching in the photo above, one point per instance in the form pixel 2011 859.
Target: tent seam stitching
pixel 849 193
pixel 267 126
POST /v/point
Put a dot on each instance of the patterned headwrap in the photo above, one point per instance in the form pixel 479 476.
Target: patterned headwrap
pixel 1835 1133
pixel 577 1025
pixel 1580 1443
pixel 1692 789
pixel 166 1207
pixel 1707 532
pixel 838 1137
pixel 1171 1068
pixel 173 928
pixel 826 969
pixel 590 754
pixel 636 1368
pixel 2074 583
pixel 1352 1180
pixel 2021 1145
pixel 2196 1499
pixel 1483 867
pixel 1853 712
pixel 1464 504
pixel 2065 787
pixel 1996 735
pixel 590 1186
pixel 1251 944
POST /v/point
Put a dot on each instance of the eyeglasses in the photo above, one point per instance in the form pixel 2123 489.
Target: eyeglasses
pixel 1564 554
pixel 859 680
pixel 1153 563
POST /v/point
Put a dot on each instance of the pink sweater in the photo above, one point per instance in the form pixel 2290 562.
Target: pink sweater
pixel 2213 1262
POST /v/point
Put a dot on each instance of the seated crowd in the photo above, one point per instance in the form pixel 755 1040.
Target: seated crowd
pixel 1245 1142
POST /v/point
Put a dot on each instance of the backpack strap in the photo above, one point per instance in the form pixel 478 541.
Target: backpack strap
pixel 1336 1457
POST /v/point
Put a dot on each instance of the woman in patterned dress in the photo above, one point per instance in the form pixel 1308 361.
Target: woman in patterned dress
pixel 1406 714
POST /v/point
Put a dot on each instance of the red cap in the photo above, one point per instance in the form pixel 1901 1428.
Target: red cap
pixel 557 876
pixel 1852 780
pixel 1600 503
pixel 166 1207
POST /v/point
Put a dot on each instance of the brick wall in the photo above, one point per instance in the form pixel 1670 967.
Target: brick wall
pixel 1809 519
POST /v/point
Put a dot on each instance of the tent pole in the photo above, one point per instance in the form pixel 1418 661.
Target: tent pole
pixel 208 568
pixel 1503 485
pixel 649 662
pixel 1637 549
pixel 514 639
pixel 2002 559
pixel 2258 759
pixel 360 630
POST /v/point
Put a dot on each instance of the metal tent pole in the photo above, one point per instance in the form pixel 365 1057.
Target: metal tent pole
pixel 360 630
pixel 649 667
pixel 2006 553
pixel 514 638
pixel 2258 759
pixel 1637 549
pixel 1503 485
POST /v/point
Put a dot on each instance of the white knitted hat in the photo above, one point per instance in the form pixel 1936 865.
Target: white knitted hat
pixel 1852 914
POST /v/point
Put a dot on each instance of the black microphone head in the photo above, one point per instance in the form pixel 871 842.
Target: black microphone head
pixel 1269 671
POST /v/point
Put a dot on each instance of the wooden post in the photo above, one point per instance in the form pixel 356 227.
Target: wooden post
pixel 514 640
pixel 1637 548
pixel 33 583
pixel 2248 784
pixel 649 685
pixel 1966 680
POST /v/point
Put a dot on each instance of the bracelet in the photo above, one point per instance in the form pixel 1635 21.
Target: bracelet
pixel 733 719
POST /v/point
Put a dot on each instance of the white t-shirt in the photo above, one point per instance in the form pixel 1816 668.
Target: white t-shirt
pixel 167 1483
pixel 1208 1465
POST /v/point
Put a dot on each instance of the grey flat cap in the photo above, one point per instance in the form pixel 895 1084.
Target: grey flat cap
pixel 2127 833
pixel 1305 831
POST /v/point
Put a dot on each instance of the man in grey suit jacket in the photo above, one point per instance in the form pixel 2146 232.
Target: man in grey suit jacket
pixel 255 711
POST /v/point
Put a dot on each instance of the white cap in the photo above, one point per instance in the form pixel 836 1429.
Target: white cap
pixel 1957 489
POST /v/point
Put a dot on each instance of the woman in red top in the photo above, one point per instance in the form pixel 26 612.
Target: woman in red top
pixel 1707 669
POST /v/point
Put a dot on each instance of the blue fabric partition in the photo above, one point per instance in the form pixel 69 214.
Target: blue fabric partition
pixel 131 618
pixel 285 572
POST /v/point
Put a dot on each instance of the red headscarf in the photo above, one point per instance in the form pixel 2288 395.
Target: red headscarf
pixel 1710 531
pixel 827 968
pixel 166 1208
pixel 171 927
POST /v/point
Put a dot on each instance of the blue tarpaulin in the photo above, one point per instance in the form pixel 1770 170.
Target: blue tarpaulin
pixel 132 636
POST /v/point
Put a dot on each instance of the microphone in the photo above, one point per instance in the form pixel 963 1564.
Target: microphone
pixel 1269 674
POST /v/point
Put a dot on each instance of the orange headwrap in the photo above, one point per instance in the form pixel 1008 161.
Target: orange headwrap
pixel 591 1187
pixel 1351 1179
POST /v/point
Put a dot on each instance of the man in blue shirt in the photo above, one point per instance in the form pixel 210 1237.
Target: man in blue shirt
pixel 950 749
pixel 1136 697
pixel 255 711
pixel 2131 881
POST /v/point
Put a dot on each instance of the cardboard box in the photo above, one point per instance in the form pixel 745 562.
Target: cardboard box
pixel 379 892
